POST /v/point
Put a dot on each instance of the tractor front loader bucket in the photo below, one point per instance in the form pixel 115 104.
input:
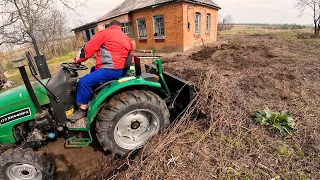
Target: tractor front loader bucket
pixel 180 91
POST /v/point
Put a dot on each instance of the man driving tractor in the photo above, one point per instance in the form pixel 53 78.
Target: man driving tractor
pixel 111 47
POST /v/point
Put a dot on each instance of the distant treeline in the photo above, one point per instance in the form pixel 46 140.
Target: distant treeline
pixel 266 24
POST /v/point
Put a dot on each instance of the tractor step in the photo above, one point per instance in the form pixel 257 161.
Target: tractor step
pixel 75 142
pixel 80 124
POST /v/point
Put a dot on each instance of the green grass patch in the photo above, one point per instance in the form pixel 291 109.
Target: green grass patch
pixel 57 60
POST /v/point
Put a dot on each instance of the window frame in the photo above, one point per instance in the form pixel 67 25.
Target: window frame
pixel 84 36
pixel 197 23
pixel 89 33
pixel 161 36
pixel 208 23
pixel 139 30
pixel 127 28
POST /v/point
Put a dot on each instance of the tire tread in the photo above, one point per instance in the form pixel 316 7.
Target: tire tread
pixel 26 156
pixel 117 105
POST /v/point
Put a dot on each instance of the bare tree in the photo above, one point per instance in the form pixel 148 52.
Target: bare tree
pixel 30 21
pixel 52 28
pixel 225 23
pixel 313 6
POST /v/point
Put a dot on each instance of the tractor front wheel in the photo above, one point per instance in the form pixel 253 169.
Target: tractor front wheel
pixel 130 119
pixel 25 165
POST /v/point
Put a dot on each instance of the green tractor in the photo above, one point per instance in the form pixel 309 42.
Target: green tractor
pixel 124 114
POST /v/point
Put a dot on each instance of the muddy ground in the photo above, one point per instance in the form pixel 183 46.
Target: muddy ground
pixel 236 76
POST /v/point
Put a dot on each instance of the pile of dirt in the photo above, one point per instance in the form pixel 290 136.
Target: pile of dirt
pixel 203 54
pixel 235 78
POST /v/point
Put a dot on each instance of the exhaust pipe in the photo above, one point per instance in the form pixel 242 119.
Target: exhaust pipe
pixel 42 118
pixel 20 64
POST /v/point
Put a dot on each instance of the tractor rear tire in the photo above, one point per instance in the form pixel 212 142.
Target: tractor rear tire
pixel 129 120
pixel 25 165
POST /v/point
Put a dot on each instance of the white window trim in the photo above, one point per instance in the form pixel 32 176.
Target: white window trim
pixel 143 37
pixel 199 23
pixel 208 23
pixel 127 28
pixel 154 29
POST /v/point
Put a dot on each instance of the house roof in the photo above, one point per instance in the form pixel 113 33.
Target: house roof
pixel 133 5
pixel 85 26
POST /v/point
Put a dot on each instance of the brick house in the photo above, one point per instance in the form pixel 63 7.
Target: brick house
pixel 168 25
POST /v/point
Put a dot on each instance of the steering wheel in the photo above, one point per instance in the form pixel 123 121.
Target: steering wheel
pixel 74 66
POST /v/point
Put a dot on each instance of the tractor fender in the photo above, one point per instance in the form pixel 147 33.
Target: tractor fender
pixel 112 89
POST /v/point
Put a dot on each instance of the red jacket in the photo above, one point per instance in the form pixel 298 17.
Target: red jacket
pixel 111 47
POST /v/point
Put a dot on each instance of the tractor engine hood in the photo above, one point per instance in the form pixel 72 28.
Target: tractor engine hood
pixel 18 98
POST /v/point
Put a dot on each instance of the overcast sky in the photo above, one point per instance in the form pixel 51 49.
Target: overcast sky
pixel 242 11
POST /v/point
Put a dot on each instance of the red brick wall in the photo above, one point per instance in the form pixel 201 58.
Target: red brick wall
pixel 173 20
pixel 189 37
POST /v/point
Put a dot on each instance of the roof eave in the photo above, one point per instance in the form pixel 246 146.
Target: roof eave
pixel 204 4
pixel 92 24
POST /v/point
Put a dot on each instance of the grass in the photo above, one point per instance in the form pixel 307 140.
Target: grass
pixel 290 35
pixel 241 31
pixel 57 60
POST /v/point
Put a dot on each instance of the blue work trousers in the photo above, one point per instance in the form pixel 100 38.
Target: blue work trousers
pixel 87 82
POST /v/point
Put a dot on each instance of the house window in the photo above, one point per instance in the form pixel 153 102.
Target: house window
pixel 88 34
pixel 158 25
pixel 127 28
pixel 197 22
pixel 142 28
pixel 208 23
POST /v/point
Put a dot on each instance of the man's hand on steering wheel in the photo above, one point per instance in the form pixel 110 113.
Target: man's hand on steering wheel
pixel 74 66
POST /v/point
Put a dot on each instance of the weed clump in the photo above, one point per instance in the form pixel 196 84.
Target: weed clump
pixel 280 121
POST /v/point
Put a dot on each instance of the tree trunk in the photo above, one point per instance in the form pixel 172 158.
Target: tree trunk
pixel 318 30
pixel 35 45
pixel 315 27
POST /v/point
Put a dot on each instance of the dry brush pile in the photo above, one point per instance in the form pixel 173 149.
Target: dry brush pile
pixel 235 78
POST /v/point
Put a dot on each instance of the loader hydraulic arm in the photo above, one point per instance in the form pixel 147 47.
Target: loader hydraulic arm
pixel 159 69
